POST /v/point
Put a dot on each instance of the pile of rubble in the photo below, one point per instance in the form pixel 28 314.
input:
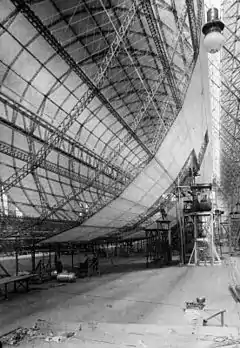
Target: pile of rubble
pixel 42 329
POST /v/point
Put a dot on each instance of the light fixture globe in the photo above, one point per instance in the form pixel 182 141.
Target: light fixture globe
pixel 212 30
pixel 213 42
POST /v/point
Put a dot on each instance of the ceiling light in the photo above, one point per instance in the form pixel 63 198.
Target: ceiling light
pixel 212 30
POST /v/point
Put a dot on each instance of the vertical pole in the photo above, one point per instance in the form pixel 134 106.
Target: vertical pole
pixel 222 318
pixel 16 259
pixel 33 256
pixel 147 247
pixel 72 258
pixel 195 239
pixel 50 259
pixel 219 233
pixel 169 253
pixel 183 240
pixel 178 219
pixel 181 226
pixel 169 235
pixel 230 235
pixel 212 238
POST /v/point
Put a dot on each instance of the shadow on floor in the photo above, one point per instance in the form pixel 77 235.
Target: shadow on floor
pixel 126 266
pixel 134 266
pixel 113 270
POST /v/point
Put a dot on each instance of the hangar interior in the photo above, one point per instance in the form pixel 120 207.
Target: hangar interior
pixel 119 158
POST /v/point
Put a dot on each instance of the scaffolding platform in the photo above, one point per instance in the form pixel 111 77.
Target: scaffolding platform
pixel 197 227
pixel 204 252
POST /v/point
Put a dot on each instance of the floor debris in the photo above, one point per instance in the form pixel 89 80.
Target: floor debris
pixel 82 308
pixel 57 339
pixel 42 329
pixel 60 338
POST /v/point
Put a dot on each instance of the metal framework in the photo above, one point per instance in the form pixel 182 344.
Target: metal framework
pixel 204 250
pixel 224 83
pixel 229 103
pixel 81 154
pixel 85 100
pixel 103 84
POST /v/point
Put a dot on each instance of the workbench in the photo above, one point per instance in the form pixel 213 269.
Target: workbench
pixel 18 281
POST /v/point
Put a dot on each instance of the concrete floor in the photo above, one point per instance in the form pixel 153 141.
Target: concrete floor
pixel 141 308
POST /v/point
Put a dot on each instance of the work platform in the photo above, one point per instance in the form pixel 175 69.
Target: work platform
pixel 128 307
pixel 17 281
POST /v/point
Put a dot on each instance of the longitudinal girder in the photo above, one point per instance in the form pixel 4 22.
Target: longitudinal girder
pixel 85 156
pixel 24 156
pixel 161 50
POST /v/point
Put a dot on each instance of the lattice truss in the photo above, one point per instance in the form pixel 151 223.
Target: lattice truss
pixel 89 90
pixel 229 103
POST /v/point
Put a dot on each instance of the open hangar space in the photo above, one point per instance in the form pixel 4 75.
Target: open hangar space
pixel 119 173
